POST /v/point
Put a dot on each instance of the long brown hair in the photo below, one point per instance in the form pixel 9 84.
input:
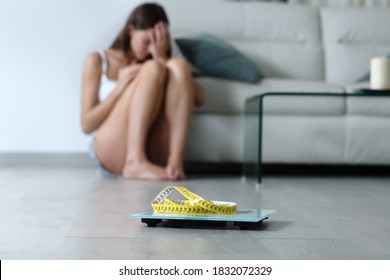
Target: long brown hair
pixel 142 17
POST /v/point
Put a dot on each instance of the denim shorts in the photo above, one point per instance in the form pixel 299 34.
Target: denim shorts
pixel 92 156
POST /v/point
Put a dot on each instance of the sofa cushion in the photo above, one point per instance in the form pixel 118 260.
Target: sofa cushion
pixel 351 38
pixel 211 139
pixel 367 140
pixel 228 97
pixel 291 139
pixel 215 57
pixel 369 106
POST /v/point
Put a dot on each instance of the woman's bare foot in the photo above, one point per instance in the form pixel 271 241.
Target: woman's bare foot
pixel 175 172
pixel 135 169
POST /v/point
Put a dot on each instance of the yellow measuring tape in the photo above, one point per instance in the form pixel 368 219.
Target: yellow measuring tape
pixel 194 205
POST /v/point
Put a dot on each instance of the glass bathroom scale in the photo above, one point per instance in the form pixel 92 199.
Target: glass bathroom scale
pixel 244 219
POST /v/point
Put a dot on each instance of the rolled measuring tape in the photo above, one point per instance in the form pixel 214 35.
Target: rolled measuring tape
pixel 194 205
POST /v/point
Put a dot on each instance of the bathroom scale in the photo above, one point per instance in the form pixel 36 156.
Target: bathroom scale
pixel 244 219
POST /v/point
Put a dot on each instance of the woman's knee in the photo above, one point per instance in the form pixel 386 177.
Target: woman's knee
pixel 154 70
pixel 179 66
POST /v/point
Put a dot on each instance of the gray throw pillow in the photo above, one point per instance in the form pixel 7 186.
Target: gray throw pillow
pixel 215 57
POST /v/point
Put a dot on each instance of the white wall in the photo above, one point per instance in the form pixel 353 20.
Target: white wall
pixel 42 49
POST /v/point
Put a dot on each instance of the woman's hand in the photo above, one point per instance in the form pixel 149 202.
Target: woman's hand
pixel 127 74
pixel 159 41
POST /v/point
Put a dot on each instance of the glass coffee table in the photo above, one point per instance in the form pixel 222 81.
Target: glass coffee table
pixel 252 168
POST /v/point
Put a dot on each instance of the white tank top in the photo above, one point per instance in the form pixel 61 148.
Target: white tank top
pixel 106 85
pixel 105 88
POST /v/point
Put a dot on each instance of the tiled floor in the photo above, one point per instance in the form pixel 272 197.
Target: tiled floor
pixel 72 213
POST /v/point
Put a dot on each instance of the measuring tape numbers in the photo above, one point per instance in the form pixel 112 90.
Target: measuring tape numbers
pixel 193 205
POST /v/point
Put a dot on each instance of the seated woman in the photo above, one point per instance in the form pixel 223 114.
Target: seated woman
pixel 137 101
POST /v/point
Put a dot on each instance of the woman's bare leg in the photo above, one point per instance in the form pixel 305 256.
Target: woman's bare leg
pixel 120 142
pixel 147 104
pixel 179 103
